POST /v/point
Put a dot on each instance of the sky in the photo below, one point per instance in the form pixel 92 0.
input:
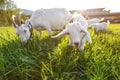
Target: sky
pixel 113 5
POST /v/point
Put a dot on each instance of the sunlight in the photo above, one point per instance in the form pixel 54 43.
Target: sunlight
pixel 76 4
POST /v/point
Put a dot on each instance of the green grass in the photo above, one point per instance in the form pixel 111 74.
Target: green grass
pixel 52 59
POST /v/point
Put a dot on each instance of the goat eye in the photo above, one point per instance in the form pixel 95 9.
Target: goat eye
pixel 18 34
pixel 81 31
pixel 25 31
pixel 68 33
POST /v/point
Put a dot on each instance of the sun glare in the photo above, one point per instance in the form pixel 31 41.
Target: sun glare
pixel 76 4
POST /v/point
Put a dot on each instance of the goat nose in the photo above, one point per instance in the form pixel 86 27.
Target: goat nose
pixel 24 41
pixel 76 43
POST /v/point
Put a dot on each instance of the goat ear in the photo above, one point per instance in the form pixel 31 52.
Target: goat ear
pixel 87 34
pixel 60 34
pixel 88 37
pixel 13 21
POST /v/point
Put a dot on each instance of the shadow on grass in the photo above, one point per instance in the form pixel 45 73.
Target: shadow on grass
pixel 70 62
pixel 21 61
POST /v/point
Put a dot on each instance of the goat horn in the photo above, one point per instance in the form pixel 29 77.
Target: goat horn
pixel 60 34
pixel 19 18
pixel 13 21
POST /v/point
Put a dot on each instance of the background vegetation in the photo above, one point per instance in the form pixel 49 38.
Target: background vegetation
pixel 7 9
pixel 43 58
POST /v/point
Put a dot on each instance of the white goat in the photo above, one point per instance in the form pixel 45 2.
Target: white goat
pixel 82 24
pixel 49 19
pixel 94 20
pixel 77 33
pixel 79 18
pixel 100 26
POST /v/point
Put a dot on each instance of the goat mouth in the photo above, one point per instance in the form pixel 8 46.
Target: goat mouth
pixel 24 42
pixel 76 46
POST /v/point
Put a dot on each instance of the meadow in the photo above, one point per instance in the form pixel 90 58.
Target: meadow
pixel 43 58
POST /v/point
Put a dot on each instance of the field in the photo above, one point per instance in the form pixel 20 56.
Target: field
pixel 43 58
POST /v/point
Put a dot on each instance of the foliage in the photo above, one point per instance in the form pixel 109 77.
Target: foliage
pixel 43 58
pixel 7 9
pixel 7 5
pixel 6 17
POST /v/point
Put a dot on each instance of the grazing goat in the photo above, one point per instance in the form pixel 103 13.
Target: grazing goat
pixel 94 20
pixel 79 18
pixel 100 26
pixel 43 19
pixel 77 33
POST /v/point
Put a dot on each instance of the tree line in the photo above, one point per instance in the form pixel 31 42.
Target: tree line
pixel 7 9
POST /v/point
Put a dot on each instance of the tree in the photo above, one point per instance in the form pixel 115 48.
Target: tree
pixel 7 5
pixel 7 9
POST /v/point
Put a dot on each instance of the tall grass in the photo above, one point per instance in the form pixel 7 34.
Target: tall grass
pixel 43 58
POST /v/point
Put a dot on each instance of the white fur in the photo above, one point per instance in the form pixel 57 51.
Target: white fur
pixel 100 27
pixel 79 18
pixel 44 19
pixel 23 33
pixel 94 20
pixel 77 33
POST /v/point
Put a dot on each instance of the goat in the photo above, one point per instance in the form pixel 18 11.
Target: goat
pixel 100 26
pixel 79 18
pixel 77 33
pixel 42 19
pixel 94 20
